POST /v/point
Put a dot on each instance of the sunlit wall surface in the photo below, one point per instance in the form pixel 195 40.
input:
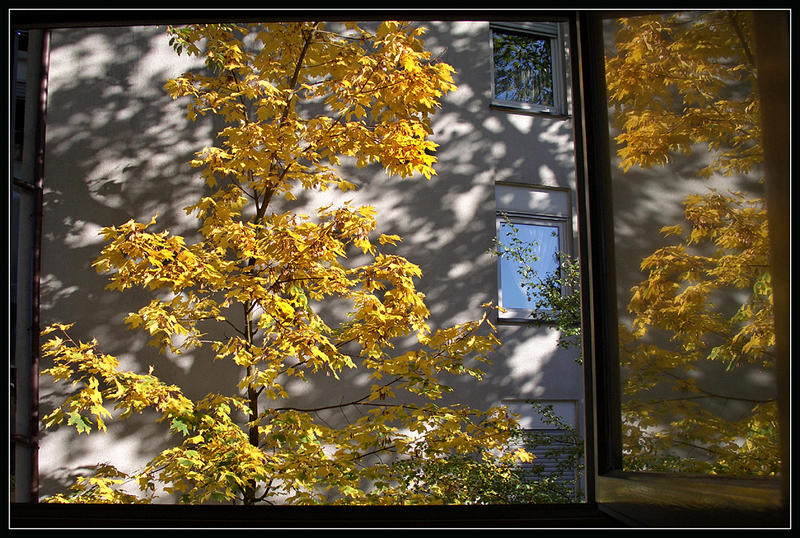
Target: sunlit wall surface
pixel 118 148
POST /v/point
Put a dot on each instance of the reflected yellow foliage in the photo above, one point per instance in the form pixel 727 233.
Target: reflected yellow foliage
pixel 686 83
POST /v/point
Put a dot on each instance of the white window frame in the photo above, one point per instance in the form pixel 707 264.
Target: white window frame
pixel 551 30
pixel 515 217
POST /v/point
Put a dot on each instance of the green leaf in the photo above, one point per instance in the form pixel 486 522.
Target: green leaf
pixel 179 426
pixel 82 424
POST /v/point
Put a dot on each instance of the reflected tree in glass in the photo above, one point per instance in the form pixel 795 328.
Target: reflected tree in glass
pixel 530 256
pixel 536 274
pixel 685 83
pixel 522 68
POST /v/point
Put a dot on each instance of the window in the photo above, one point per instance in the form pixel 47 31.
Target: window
pixel 653 497
pixel 527 67
pixel 532 239
pixel 26 134
pixel 529 255
pixel 552 434
pixel 18 104
pixel 637 498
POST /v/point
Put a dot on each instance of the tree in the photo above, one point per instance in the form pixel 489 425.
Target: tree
pixel 262 271
pixel 556 302
pixel 458 479
pixel 679 82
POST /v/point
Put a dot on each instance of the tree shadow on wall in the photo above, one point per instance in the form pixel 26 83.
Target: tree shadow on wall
pixel 448 222
pixel 118 149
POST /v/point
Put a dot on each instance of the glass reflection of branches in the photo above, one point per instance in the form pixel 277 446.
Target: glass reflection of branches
pixel 700 337
pixel 522 68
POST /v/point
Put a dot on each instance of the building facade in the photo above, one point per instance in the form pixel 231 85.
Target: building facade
pixel 109 124
pixel 117 148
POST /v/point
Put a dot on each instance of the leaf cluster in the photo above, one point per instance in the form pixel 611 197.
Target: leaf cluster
pixel 681 83
pixel 249 291
pixel 681 80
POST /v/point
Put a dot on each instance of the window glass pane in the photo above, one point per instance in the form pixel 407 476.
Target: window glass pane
pixel 692 254
pixel 19 128
pixel 532 255
pixel 522 68
pixel 18 104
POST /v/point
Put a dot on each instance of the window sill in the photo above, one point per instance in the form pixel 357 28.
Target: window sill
pixel 44 515
pixel 519 316
pixel 665 500
pixel 512 108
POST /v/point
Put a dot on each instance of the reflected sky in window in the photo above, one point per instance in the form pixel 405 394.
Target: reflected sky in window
pixel 543 242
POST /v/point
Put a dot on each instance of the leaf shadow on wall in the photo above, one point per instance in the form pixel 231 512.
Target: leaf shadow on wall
pixel 118 148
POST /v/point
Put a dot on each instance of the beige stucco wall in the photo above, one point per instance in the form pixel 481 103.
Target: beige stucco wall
pixel 117 147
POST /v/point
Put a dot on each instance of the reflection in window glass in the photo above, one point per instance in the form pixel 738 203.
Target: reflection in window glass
pixel 692 257
pixel 522 68
pixel 541 246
